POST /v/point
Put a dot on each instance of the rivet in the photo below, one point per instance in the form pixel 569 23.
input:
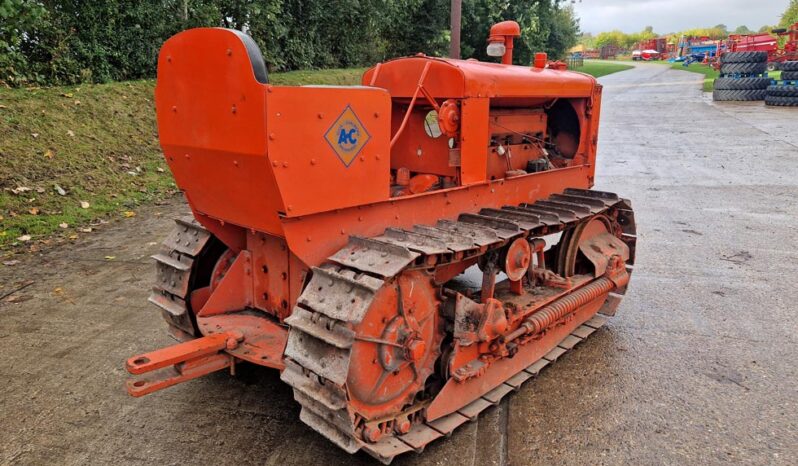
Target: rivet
pixel 396 216
pixel 362 159
pixel 169 58
pixel 272 136
pixel 275 163
pixel 174 108
pixel 376 114
pixel 235 162
pixel 377 157
pixel 229 52
pixel 360 219
pixel 320 115
pixel 313 161
pixel 285 164
pixel 290 207
pixel 187 156
pixel 308 238
pixel 343 231
pixel 233 109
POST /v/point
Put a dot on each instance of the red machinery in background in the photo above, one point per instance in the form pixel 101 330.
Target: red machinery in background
pixel 649 46
pixel 766 42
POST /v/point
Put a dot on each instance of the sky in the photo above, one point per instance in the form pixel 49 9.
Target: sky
pixel 676 15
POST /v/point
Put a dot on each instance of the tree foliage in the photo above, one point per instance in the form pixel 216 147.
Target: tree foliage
pixel 70 41
pixel 546 26
pixel 623 40
pixel 790 15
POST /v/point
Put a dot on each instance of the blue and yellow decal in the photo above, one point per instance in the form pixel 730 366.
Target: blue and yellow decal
pixel 347 136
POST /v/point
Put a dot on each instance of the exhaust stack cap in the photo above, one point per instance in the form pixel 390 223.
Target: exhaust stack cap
pixel 500 41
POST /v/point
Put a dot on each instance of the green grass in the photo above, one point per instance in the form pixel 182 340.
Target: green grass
pixel 599 68
pixel 710 74
pixel 97 143
pixel 332 77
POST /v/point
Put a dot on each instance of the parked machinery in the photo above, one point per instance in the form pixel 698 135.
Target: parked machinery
pixel 767 42
pixel 335 231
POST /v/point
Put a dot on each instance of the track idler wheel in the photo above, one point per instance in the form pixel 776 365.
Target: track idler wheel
pixel 587 247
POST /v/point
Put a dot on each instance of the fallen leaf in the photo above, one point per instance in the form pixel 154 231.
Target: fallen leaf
pixel 39 190
pixel 49 153
pixel 59 190
pixel 20 189
pixel 84 205
pixel 152 243
pixel 132 173
pixel 70 133
pixel 128 214
pixel 57 290
pixel 110 258
pixel 34 211
pixel 24 238
pixel 35 135
pixel 9 263
pixel 160 170
pixel 2 218
pixel 3 106
pixel 86 230
pixel 63 225
pixel 77 102
pixel 68 95
pixel 73 236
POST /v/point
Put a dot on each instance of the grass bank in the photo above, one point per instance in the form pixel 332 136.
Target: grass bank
pixel 76 155
pixel 710 74
pixel 599 68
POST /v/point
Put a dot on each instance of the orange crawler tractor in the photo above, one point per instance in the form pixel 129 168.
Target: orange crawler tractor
pixel 406 252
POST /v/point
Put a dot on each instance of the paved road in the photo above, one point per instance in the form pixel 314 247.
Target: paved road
pixel 698 367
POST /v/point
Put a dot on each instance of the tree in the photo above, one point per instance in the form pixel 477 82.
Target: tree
pixel 546 26
pixel 743 30
pixel 612 38
pixel 18 18
pixel 587 40
pixel 790 15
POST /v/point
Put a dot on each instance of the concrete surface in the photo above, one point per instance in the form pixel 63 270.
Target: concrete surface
pixel 698 367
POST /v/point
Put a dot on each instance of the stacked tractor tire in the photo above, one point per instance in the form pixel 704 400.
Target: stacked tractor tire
pixel 785 92
pixel 742 77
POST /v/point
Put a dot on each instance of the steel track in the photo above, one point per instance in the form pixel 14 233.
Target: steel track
pixel 340 293
pixel 174 265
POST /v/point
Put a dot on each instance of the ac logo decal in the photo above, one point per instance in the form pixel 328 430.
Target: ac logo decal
pixel 347 136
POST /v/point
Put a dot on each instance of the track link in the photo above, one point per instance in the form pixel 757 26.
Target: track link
pixel 174 265
pixel 340 293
